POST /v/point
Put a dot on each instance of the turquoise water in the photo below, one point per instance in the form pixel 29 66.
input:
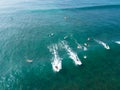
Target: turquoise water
pixel 26 33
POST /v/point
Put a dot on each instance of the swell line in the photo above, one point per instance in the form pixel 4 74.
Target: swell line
pixel 79 8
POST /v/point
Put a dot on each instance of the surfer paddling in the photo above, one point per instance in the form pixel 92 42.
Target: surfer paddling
pixel 56 67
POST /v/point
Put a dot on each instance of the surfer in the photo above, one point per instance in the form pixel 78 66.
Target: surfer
pixel 88 39
pixel 79 46
pixel 77 59
pixel 28 60
pixel 56 67
pixel 85 44
pixel 78 62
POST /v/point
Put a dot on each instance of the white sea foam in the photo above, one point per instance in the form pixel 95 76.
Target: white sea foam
pixel 102 43
pixel 71 54
pixel 85 48
pixel 56 65
pixel 56 60
pixel 118 42
pixel 85 57
pixel 79 46
pixel 85 44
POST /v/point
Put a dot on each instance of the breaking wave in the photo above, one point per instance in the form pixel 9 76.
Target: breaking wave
pixel 89 7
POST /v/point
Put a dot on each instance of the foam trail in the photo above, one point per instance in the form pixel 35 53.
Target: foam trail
pixel 71 54
pixel 56 61
pixel 78 45
pixel 81 46
pixel 102 43
pixel 118 42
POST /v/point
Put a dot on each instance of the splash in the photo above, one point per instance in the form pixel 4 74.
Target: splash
pixel 85 57
pixel 71 54
pixel 85 48
pixel 102 43
pixel 56 60
pixel 118 42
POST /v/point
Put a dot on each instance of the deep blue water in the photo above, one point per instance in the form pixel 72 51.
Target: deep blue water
pixel 30 31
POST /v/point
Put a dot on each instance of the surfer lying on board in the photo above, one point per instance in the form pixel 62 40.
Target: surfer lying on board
pixel 77 59
pixel 56 67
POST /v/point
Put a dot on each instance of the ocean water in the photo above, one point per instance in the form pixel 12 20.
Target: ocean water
pixel 36 35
